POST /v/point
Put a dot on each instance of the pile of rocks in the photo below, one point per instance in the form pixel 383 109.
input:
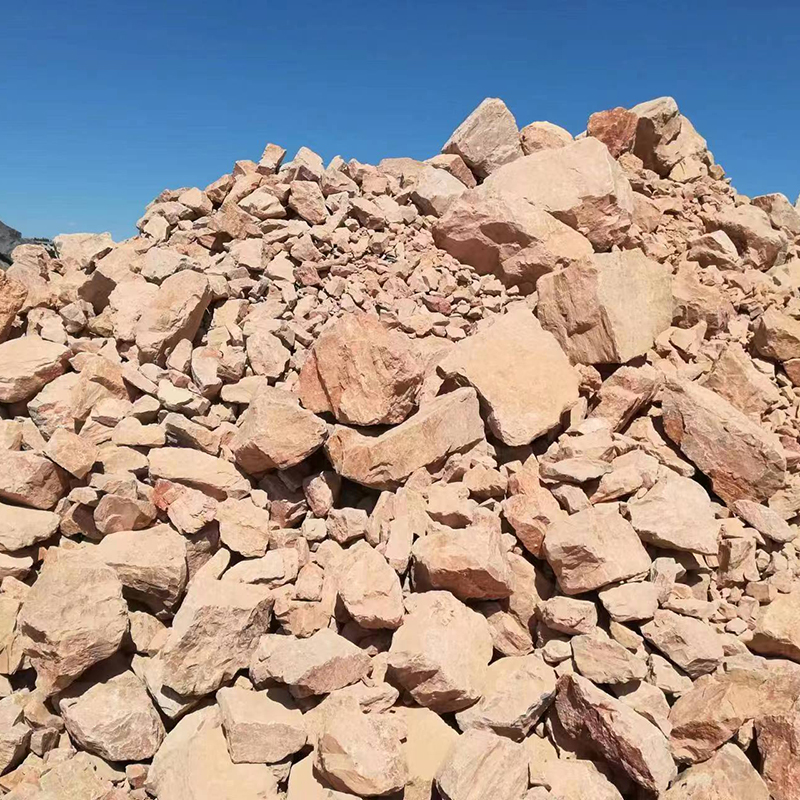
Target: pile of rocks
pixel 472 478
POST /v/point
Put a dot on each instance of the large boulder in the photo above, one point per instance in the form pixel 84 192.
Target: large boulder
pixel 504 234
pixel 27 364
pixel 588 306
pixel 12 298
pixel 580 184
pixel 524 380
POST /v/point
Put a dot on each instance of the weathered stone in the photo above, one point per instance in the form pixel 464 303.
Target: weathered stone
pixel 487 138
pixel 755 238
pixel 435 191
pixel 592 549
pixel 616 732
pixel 766 521
pixel 317 665
pixel 243 527
pixel 690 643
pixel 743 460
pixel 624 393
pixel 778 738
pixel 261 727
pixel 568 615
pixel 777 336
pixel 12 299
pixel 542 135
pixel 441 652
pixel 30 479
pixel 615 128
pixel 81 250
pixel 630 602
pixel 447 425
pixel 61 638
pixel 15 734
pixel 208 474
pixel 27 364
pixel 781 213
pixel 587 306
pixel 362 373
pixel 503 234
pixel 369 588
pixel 602 660
pixel 777 630
pixel 505 363
pixel 22 527
pixel 579 184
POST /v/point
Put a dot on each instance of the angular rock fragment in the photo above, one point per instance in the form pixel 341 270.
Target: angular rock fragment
pixel 778 738
pixel 22 527
pixel 602 660
pixel 12 299
pixel 542 135
pixel 27 364
pixel 243 527
pixel 777 336
pixel 15 733
pixel 435 191
pixel 214 476
pixel 370 589
pixel 690 643
pixel 777 630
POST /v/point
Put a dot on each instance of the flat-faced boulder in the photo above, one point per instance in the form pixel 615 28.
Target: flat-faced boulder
pixel 471 563
pixel 615 128
pixel 261 727
pixel 624 393
pixel 27 364
pixel 617 732
pixel 482 765
pixel 523 378
pixel 30 479
pixel 500 233
pixel 15 733
pixel 435 190
pixel 174 313
pixel 317 665
pixel 214 476
pixel 676 514
pixel 62 639
pixel 276 433
pixel 593 548
pixel 362 373
pixel 13 294
pixel 151 564
pixel 447 425
pixel 743 459
pixel 601 659
pixel 516 692
pixel 487 138
pixel 777 336
pixel 441 652
pixel 369 588
pixel 579 184
pixel 778 738
pixel 766 521
pixel 22 527
pixel 688 642
pixel 214 634
pixel 243 527
pixel 760 245
pixel 587 306
pixel 112 716
pixel 543 135
pixel 777 630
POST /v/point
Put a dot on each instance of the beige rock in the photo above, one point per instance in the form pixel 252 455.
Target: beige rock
pixel 62 640
pixel 189 510
pixel 743 460
pixel 306 784
pixel 243 527
pixel 630 602
pixel 676 514
pixel 470 563
pixel 276 433
pixel 369 588
pixel 503 234
pixel 435 191
pixel 151 564
pixel 587 307
pixel 616 732
pixel 755 238
pixel 714 249
pixel 624 393
pixel 267 355
pixel 728 773
pixel 777 630
pixel 112 716
pixel 447 425
pixel 453 164
pixel 71 452
pixel 781 213
pixel 12 298
pixel 568 615
pixel 441 652
pixel 307 201
pixel 217 626
pixel 347 524
pixel 115 513
pixel 317 665
pixel 30 479
pixel 778 738
pixel 592 549
pixel 516 692
pixel 22 527
pixel 603 660
pixel 261 727
pixel 487 138
pixel 361 753
pixel 688 642
pixel 777 336
pixel 767 522
pixel 27 364
pixel 193 761
pixel 81 250
pixel 276 568
pixel 214 476
pixel 543 136
pixel 15 734
pixel 175 313
pixel 362 373
pixel 505 364
pixel 579 184
pixel 263 204
pixel 482 764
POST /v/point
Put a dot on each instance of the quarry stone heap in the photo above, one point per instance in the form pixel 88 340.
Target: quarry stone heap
pixel 472 478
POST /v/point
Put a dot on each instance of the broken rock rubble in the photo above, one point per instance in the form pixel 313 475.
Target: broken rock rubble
pixel 473 477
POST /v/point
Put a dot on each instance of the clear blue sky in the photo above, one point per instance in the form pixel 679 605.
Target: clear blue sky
pixel 106 103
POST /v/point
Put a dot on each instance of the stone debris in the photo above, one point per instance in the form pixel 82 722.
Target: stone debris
pixel 469 477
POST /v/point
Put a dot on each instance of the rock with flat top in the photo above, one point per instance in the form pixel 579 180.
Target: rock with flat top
pixel 593 548
pixel 243 527
pixel 688 642
pixel 369 588
pixel 30 479
pixel 777 630
pixel 27 365
pixel 743 459
pixel 781 213
pixel 62 639
pixel 447 425
pixel 766 521
pixel 777 336
pixel 22 527
pixel 543 135
pixel 12 298
pixel 750 229
pixel 579 184
pixel 587 306
pixel 487 138
pixel 317 665
pixel 15 733
pixel 214 476
pixel 522 376
pixel 441 652
pixel 603 660
pixel 435 190
pixel 362 373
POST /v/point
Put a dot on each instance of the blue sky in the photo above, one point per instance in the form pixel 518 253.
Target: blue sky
pixel 107 103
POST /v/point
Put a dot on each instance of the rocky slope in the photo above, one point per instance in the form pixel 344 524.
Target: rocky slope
pixel 474 478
